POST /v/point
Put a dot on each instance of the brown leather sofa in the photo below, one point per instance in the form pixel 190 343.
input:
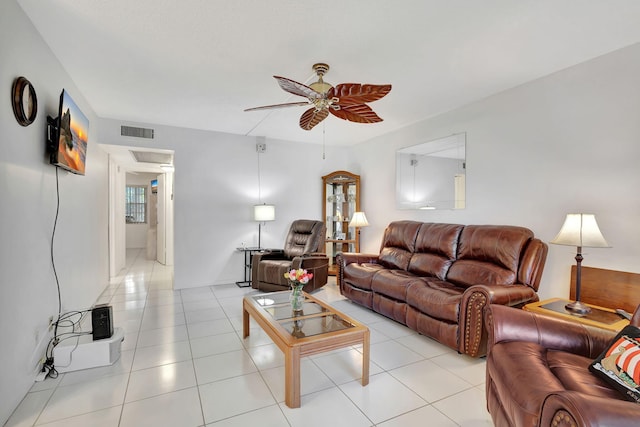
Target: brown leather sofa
pixel 537 373
pixel 437 278
pixel 303 248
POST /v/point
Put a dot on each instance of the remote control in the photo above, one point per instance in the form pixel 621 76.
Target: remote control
pixel 623 313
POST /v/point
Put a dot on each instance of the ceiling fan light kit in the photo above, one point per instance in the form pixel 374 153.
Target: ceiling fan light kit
pixel 346 101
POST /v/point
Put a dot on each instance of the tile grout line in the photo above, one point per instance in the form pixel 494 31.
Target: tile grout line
pixel 135 348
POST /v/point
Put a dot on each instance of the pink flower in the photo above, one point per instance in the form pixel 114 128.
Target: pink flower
pixel 298 276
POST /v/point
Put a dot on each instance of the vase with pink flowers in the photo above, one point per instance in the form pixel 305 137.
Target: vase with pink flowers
pixel 297 279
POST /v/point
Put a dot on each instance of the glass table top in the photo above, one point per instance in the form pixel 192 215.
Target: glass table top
pixel 313 319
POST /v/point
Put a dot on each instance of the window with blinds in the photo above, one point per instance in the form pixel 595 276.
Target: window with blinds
pixel 136 204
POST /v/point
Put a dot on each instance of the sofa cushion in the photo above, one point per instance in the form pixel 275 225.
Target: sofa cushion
pixel 467 273
pixel 398 244
pixel 393 283
pixel 390 307
pixel 488 255
pixel 573 372
pixel 361 275
pixel 436 298
pixel 435 249
pixel 396 258
pixel 357 295
pixel 443 332
pixel 305 236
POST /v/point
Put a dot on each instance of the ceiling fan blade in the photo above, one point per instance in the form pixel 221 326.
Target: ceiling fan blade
pixel 312 117
pixel 356 93
pixel 288 104
pixel 296 88
pixel 359 113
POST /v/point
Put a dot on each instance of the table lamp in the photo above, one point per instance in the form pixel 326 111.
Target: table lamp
pixel 580 230
pixel 263 213
pixel 358 220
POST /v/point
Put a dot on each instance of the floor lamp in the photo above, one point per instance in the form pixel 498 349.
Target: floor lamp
pixel 580 230
pixel 261 214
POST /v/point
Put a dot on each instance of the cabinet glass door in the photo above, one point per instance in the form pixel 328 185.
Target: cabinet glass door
pixel 341 198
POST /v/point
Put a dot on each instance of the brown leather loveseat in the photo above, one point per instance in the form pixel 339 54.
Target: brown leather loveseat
pixel 537 373
pixel 438 278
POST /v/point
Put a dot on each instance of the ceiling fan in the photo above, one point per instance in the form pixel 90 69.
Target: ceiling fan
pixel 346 100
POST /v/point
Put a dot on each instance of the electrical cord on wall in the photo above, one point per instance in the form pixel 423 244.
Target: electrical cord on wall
pixel 53 262
pixel 65 320
pixel 48 364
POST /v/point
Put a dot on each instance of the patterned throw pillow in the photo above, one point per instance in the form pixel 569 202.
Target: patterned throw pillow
pixel 619 364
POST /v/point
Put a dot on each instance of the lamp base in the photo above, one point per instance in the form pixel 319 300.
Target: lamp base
pixel 578 308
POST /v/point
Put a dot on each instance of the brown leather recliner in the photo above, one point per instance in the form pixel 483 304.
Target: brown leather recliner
pixel 303 248
pixel 538 372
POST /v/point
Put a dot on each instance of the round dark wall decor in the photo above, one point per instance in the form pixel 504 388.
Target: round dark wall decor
pixel 24 101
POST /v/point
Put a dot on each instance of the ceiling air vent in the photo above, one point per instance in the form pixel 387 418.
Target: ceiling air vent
pixel 152 157
pixel 136 132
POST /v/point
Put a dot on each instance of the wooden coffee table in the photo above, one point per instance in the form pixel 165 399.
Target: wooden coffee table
pixel 316 329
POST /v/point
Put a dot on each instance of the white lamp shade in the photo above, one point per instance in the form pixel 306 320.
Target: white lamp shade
pixel 264 212
pixel 580 230
pixel 359 219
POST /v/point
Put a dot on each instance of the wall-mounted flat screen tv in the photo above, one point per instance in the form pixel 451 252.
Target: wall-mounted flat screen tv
pixel 69 140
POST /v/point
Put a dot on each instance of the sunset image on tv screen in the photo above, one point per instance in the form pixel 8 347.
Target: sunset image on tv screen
pixel 74 131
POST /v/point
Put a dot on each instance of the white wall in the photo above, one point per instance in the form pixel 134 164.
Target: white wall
pixel 566 143
pixel 117 227
pixel 216 185
pixel 28 189
pixel 136 236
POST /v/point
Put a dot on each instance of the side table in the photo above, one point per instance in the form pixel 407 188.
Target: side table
pixel 248 257
pixel 600 317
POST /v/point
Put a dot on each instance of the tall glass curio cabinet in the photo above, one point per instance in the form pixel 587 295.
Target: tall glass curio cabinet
pixel 341 198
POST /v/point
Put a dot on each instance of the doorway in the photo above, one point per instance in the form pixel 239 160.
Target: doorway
pixel 155 233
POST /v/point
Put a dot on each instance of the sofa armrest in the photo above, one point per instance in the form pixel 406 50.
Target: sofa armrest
pixel 259 256
pixel 268 254
pixel 510 295
pixel 509 324
pixel 318 264
pixel 310 262
pixel 345 258
pixel 315 254
pixel 471 315
pixel 570 408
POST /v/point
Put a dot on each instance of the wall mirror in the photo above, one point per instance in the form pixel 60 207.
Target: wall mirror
pixel 431 175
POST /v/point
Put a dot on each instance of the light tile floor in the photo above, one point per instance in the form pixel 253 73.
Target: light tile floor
pixel 184 363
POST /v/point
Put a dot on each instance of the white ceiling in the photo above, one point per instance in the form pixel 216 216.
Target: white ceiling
pixel 200 63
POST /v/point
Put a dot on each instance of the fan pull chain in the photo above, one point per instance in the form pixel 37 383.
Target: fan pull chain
pixel 259 183
pixel 323 141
